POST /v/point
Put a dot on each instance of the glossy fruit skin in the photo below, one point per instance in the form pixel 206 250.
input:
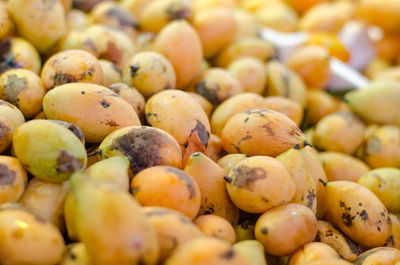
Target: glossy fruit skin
pixel 13 179
pixel 24 89
pixel 260 132
pixel 383 255
pixel 385 184
pixel 214 196
pixel 44 26
pixel 97 110
pixel 173 228
pixel 56 158
pixel 254 182
pixel 178 114
pixel 279 228
pixel 144 146
pixel 216 226
pixel 61 69
pixel 207 250
pixel 175 188
pixel 357 212
pixel 181 45
pixel 10 119
pixel 313 251
pixel 345 247
pixel 39 241
pixel 339 166
pixel 340 131
pixel 216 27
pixel 149 72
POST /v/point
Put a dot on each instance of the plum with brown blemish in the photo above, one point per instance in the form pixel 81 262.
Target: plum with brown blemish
pixel 62 68
pixel 178 114
pixel 261 132
pixel 13 179
pixel 40 22
pixel 357 212
pixel 206 250
pixel 49 150
pixel 173 228
pixel 97 110
pixel 169 187
pixel 18 53
pixel 288 227
pixel 149 72
pixel 144 146
pixel 217 85
pixel 259 183
pixel 10 119
pixel 23 232
pixel 24 89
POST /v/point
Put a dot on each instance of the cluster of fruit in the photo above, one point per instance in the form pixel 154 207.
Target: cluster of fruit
pixel 167 132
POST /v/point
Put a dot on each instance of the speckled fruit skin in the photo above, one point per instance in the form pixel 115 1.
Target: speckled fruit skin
pixel 97 110
pixel 49 150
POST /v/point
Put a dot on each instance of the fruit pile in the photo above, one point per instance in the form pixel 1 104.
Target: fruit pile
pixel 144 132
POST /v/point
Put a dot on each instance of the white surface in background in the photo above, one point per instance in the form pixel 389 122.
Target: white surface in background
pixel 354 36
